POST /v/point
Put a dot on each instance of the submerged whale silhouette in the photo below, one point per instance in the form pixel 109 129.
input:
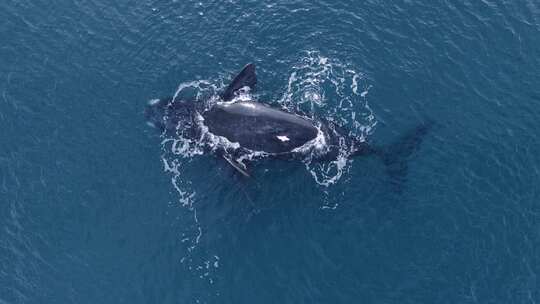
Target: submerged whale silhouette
pixel 253 127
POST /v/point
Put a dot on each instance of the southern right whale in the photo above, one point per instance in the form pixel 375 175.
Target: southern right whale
pixel 234 128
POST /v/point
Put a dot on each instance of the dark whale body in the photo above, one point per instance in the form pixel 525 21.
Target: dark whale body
pixel 259 127
pixel 256 127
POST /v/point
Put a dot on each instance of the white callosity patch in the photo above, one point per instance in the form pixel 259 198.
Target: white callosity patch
pixel 283 138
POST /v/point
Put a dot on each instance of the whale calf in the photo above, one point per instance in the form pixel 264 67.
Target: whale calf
pixel 247 127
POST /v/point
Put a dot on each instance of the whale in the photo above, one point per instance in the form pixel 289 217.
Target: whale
pixel 244 126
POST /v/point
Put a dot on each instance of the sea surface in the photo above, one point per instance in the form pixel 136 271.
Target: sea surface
pixel 97 207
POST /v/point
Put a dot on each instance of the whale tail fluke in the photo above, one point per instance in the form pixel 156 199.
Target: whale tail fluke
pixel 397 155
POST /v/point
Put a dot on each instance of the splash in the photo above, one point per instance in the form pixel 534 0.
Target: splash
pixel 318 87
pixel 322 87
pixel 177 153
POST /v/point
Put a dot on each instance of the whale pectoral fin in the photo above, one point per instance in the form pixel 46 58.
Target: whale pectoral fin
pixel 246 78
pixel 241 168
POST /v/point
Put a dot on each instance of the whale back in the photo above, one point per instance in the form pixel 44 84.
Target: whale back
pixel 259 127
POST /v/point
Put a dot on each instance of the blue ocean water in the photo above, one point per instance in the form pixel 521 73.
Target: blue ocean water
pixel 96 207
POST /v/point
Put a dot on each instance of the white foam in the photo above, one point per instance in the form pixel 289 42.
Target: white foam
pixel 153 102
pixel 320 86
pixel 317 145
pixel 248 105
